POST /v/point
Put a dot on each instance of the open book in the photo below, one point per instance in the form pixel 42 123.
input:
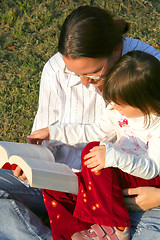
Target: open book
pixel 39 166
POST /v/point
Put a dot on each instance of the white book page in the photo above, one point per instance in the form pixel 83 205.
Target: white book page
pixel 41 165
pixel 45 174
pixel 25 150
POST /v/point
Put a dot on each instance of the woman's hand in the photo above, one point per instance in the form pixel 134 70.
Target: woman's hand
pixel 19 173
pixel 96 158
pixel 141 198
pixel 38 136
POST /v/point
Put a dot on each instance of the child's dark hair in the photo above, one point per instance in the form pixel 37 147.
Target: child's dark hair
pixel 135 80
pixel 90 32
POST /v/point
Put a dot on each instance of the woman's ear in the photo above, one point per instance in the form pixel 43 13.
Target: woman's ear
pixel 117 52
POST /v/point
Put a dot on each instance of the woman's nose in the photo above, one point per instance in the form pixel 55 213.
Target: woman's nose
pixel 85 80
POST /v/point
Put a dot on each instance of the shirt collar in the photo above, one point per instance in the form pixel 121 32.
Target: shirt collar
pixel 73 81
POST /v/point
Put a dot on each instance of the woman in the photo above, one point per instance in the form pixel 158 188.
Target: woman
pixel 89 45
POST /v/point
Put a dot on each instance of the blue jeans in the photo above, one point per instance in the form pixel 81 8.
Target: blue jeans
pixel 145 225
pixel 20 208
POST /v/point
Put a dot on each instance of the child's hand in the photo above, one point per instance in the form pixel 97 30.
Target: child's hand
pixel 38 136
pixel 96 158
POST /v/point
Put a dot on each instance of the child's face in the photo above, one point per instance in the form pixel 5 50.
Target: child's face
pixel 128 111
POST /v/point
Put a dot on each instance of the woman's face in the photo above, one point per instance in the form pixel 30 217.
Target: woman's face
pixel 90 67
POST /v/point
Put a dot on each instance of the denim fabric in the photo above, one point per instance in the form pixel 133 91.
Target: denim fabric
pixel 17 222
pixel 19 205
pixel 12 188
pixel 145 225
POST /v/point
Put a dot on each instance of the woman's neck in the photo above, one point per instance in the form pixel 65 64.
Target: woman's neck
pixel 100 88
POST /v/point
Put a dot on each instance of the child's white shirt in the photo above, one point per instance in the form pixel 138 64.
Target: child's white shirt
pixel 136 149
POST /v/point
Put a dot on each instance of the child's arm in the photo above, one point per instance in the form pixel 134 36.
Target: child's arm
pixel 103 129
pixel 146 165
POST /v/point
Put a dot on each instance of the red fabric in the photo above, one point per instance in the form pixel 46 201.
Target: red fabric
pixel 9 166
pixel 99 201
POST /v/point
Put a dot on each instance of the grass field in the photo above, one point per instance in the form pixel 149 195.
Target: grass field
pixel 29 35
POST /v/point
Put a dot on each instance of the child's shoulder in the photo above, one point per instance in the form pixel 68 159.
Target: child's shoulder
pixel 154 127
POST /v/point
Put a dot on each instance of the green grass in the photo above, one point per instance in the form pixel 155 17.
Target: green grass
pixel 29 35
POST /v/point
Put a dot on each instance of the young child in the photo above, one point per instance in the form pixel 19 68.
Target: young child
pixel 133 117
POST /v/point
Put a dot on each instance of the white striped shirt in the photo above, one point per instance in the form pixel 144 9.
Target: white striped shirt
pixel 63 99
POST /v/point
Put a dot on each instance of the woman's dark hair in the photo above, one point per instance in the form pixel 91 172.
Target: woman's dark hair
pixel 90 32
pixel 135 80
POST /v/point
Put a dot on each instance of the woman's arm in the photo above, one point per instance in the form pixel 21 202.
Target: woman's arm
pixel 141 198
pixel 49 99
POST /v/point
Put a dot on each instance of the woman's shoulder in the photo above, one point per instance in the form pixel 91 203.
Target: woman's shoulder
pixel 55 63
pixel 131 44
